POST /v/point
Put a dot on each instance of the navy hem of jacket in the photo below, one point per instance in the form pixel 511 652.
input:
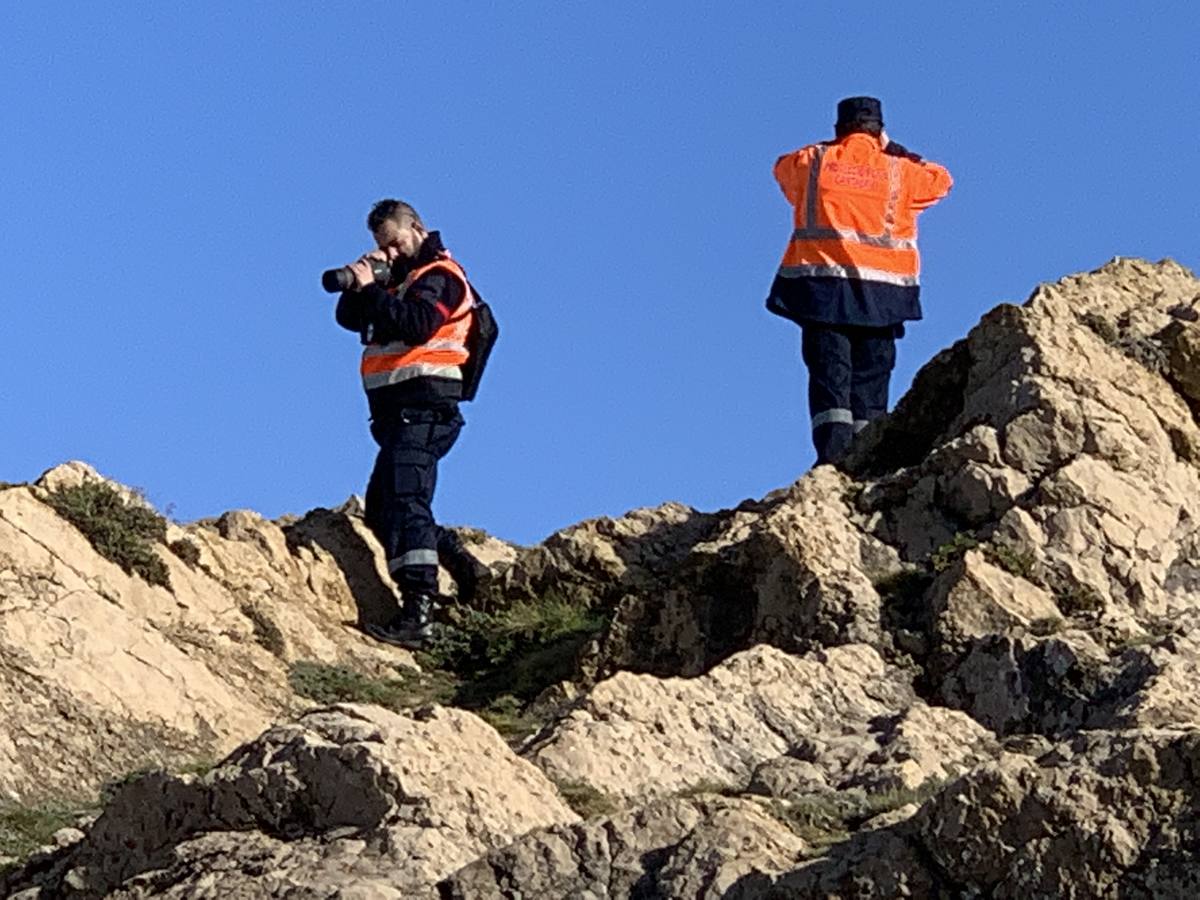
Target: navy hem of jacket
pixel 844 301
pixel 420 393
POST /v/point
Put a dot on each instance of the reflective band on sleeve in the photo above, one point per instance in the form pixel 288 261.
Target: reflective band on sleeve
pixel 833 417
pixel 417 370
pixel 857 272
pixel 860 424
pixel 889 218
pixel 413 558
pixel 814 180
pixel 845 234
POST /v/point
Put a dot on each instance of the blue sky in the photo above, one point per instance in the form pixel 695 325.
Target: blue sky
pixel 175 176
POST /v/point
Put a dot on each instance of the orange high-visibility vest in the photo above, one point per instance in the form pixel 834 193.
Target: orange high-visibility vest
pixel 442 356
pixel 856 210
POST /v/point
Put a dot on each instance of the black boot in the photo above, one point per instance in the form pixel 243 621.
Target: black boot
pixel 462 565
pixel 412 627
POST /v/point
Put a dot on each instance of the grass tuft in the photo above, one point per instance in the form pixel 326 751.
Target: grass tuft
pixel 23 829
pixel 187 550
pixel 585 800
pixel 338 684
pixel 952 551
pixel 1079 598
pixel 494 664
pixel 122 532
pixel 823 819
pixel 1011 559
pixel 266 633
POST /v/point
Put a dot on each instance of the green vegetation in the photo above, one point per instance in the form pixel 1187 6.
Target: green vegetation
pixel 1011 559
pixel 187 550
pixel 23 829
pixel 266 633
pixel 1079 598
pixel 1103 328
pixel 337 684
pixel 1045 626
pixel 824 819
pixel 119 530
pixel 519 651
pixel 952 551
pixel 708 786
pixel 585 800
pixel 491 663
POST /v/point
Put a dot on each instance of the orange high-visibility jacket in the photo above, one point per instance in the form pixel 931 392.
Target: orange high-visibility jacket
pixel 442 356
pixel 855 216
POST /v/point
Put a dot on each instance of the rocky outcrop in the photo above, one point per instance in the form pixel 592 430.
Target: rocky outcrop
pixel 1104 815
pixel 963 665
pixel 102 673
pixel 352 799
pixel 697 847
pixel 1027 515
pixel 843 717
pixel 793 571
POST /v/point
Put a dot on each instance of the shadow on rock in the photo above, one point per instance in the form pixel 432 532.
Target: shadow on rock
pixel 357 554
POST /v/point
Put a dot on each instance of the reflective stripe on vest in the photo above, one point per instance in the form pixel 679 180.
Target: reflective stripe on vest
pixel 861 273
pixel 442 356
pixel 827 251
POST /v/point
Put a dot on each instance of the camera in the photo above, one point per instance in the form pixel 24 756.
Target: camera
pixel 337 280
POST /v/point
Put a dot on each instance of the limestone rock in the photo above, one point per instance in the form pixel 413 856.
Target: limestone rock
pixel 349 797
pixel 964 665
pixel 846 713
pixel 1104 815
pixel 792 571
pixel 694 847
pixel 975 598
pixel 593 563
pixel 102 673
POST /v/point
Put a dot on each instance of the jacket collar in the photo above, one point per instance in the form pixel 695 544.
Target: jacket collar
pixel 431 249
pixel 860 136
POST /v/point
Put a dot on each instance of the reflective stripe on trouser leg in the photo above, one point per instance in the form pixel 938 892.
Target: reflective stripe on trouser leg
pixel 833 417
pixel 826 352
pixel 413 558
pixel 404 479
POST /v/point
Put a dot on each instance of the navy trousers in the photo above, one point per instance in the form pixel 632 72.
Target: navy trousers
pixel 400 493
pixel 849 368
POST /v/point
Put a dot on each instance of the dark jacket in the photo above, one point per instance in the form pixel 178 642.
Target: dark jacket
pixel 379 316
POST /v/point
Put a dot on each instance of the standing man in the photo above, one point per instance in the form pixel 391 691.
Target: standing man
pixel 850 275
pixel 414 329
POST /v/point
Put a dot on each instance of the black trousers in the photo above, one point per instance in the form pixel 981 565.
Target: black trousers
pixel 849 368
pixel 400 493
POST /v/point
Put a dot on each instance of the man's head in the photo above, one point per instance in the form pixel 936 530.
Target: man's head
pixel 397 229
pixel 859 114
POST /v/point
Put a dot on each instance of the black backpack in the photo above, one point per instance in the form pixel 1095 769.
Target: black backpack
pixel 481 337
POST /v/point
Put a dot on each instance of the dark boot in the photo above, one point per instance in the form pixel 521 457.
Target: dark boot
pixel 461 564
pixel 412 627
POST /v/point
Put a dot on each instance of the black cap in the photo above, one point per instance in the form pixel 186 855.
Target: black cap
pixel 859 111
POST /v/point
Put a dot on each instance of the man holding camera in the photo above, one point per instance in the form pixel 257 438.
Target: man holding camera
pixel 850 275
pixel 411 305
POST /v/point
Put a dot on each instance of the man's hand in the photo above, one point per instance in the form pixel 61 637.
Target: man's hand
pixel 362 268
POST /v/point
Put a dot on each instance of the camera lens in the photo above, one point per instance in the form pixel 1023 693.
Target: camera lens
pixel 337 280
